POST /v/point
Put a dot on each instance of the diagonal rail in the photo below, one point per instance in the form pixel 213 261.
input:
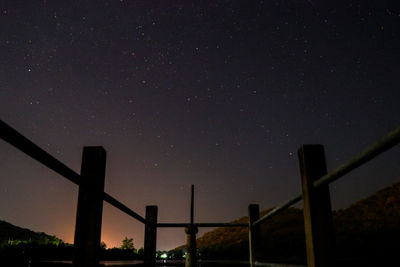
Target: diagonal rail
pixel 14 138
pixel 279 209
pixel 112 201
pixel 383 144
pixel 19 141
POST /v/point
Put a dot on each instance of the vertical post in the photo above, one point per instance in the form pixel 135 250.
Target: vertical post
pixel 191 231
pixel 191 249
pixel 150 236
pixel 90 208
pixel 254 233
pixel 316 207
pixel 192 205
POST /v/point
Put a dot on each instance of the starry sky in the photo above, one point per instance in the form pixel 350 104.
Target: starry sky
pixel 219 94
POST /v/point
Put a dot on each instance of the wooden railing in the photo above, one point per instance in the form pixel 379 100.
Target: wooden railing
pixel 90 200
pixel 91 193
pixel 315 195
pixel 316 199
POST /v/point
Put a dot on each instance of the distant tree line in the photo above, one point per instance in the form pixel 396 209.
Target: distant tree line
pixel 21 253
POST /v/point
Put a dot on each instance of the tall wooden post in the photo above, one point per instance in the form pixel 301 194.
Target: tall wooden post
pixel 316 207
pixel 254 233
pixel 90 208
pixel 191 231
pixel 150 236
pixel 191 248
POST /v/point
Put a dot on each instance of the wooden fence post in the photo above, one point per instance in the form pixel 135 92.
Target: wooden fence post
pixel 150 236
pixel 191 231
pixel 316 207
pixel 254 233
pixel 90 208
pixel 191 248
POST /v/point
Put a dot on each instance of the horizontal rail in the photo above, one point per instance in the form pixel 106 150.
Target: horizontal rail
pixel 112 201
pixel 267 264
pixel 22 143
pixel 383 144
pixel 203 224
pixel 222 224
pixel 173 224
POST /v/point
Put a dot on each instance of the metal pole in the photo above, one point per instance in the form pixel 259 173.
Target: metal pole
pixel 192 205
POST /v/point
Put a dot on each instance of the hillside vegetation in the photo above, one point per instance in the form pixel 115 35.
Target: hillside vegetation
pixel 11 234
pixel 366 232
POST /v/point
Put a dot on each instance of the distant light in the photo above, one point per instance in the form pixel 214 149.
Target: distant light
pixel 164 256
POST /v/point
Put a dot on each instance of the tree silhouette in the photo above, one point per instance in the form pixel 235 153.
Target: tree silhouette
pixel 127 244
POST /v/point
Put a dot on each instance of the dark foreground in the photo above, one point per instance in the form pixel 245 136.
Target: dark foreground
pixel 179 263
pixel 169 263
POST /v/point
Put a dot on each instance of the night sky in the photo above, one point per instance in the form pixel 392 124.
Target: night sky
pixel 219 94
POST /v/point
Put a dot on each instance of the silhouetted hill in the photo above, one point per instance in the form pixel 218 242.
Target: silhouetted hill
pixel 13 234
pixel 370 228
pixel 367 231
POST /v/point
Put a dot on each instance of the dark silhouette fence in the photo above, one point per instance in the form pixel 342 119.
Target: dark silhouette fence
pixel 315 195
pixel 316 198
